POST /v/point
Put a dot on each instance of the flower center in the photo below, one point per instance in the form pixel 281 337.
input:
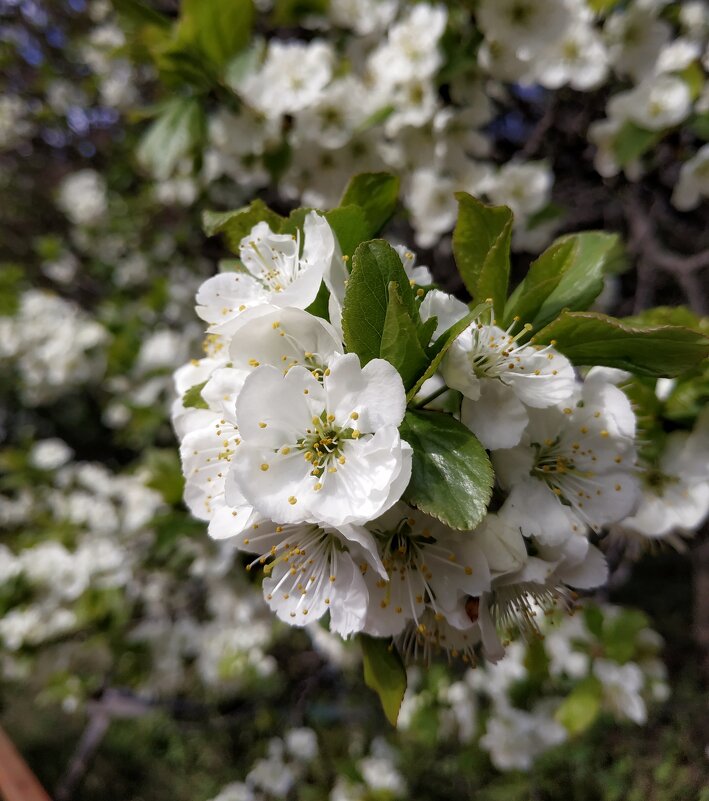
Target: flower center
pixel 323 444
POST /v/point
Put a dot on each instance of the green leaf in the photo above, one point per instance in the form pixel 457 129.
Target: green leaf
pixel 218 29
pixel 192 399
pixel 375 265
pixel 376 193
pixel 295 220
pixel 11 280
pixel 699 126
pixel 142 13
pixel 277 159
pixel 593 618
pixel 244 63
pixel 451 476
pixel 541 280
pixel 602 6
pixel 165 473
pixel 693 76
pixel 588 338
pixel 581 707
pixel 320 306
pixel 669 315
pixel 552 211
pixel 400 344
pixel 289 13
pixel 648 409
pixel 688 399
pixel 235 225
pixel 568 275
pixel 631 142
pixel 426 330
pixel 350 226
pixel 376 118
pixel 173 135
pixel 481 246
pixel 620 634
pixel 384 673
pixel 439 348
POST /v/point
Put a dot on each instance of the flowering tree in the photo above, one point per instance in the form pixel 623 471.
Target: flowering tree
pixel 435 426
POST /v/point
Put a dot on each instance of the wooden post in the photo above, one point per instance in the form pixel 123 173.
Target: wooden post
pixel 17 782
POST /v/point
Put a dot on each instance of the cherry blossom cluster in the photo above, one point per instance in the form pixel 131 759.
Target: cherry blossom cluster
pixel 432 93
pixel 607 654
pixel 291 448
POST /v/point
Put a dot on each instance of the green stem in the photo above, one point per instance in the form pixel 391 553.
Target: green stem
pixel 431 397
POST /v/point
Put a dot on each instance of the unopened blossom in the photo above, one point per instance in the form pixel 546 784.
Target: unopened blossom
pixel 277 272
pixel 322 448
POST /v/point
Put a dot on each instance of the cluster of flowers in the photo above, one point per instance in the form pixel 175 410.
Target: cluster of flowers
pixel 291 449
pixel 431 97
pixel 288 762
pixel 613 664
pixel 97 562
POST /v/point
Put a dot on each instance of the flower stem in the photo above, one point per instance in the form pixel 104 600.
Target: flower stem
pixel 431 397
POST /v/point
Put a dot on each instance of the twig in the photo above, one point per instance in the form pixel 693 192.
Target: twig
pixel 112 704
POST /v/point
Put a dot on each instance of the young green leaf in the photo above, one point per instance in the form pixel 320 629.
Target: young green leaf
pixel 294 221
pixel 320 306
pixel 384 673
pixel 439 348
pixel 235 225
pixel 631 142
pixel 218 29
pixel 451 476
pixel 588 338
pixel 620 634
pixel 581 707
pixel 192 399
pixel 541 280
pixel 481 246
pixel 400 343
pixel 375 265
pixel 141 13
pixel 376 193
pixel 568 275
pixel 350 226
pixel 175 133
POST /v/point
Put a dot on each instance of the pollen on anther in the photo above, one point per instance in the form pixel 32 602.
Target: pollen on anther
pixel 262 424
pixel 292 500
pixel 264 467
